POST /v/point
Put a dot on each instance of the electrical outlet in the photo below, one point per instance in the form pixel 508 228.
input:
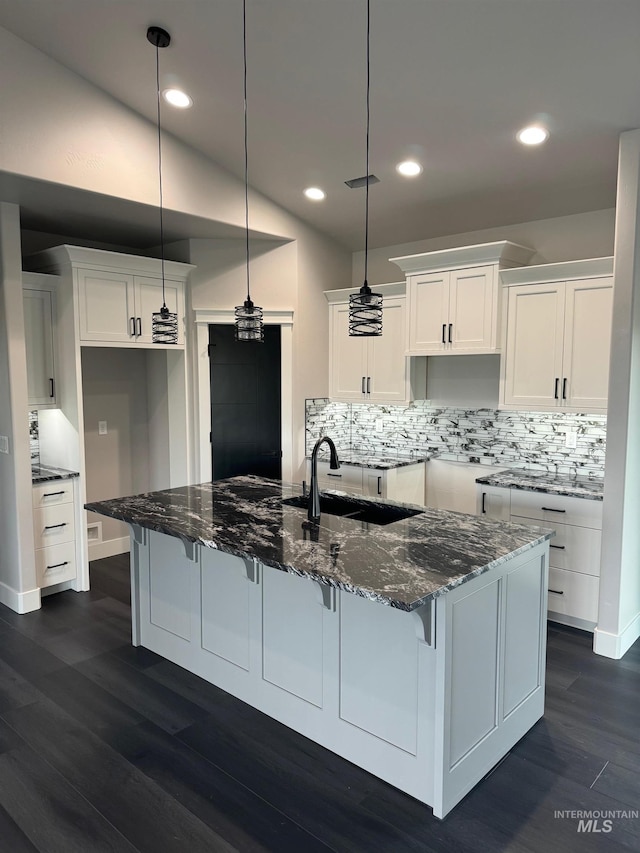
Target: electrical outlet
pixel 4 444
pixel 102 427
pixel 571 438
pixel 379 425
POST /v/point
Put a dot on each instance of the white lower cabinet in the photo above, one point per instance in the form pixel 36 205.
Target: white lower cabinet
pixel 405 483
pixel 574 552
pixel 54 532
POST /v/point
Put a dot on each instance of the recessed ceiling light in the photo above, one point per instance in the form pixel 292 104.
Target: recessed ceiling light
pixel 533 135
pixel 177 98
pixel 409 168
pixel 315 193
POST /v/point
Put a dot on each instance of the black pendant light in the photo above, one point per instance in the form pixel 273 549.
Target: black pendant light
pixel 164 323
pixel 365 307
pixel 249 317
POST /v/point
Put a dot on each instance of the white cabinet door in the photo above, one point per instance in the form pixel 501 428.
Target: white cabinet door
pixel 39 338
pixel 472 310
pixel 148 301
pixel 493 502
pixel 387 367
pixel 428 310
pixel 107 307
pixel 533 357
pixel 347 358
pixel 587 341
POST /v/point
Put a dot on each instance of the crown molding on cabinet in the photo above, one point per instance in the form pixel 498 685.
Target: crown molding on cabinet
pixel 87 258
pixel 391 288
pixel 502 252
pixel 562 271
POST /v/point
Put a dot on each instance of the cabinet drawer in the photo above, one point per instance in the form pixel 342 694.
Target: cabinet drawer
pixel 573 548
pixel 55 563
pixel 347 478
pixel 53 492
pixel 573 594
pixel 53 525
pixel 556 508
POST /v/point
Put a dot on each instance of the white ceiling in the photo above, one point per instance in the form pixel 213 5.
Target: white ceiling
pixel 451 83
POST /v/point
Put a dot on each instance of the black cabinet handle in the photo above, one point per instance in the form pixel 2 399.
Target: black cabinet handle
pixel 555 393
pixel 52 387
pixel 551 509
pixel 368 384
pixel 132 324
pixel 53 526
pixel 363 391
pixel 57 565
pixel 564 388
pixel 139 322
pixel 557 591
pixel 329 474
pixel 52 494
pixel 558 547
pixel 484 495
pixel 444 332
pixel 450 327
pixel 379 483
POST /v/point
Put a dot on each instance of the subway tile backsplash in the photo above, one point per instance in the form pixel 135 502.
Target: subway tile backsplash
pixel 34 437
pixel 533 440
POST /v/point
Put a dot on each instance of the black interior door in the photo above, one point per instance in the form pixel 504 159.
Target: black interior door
pixel 245 404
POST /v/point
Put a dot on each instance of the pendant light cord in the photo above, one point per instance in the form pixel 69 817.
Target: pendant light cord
pixel 246 144
pixel 366 215
pixel 164 304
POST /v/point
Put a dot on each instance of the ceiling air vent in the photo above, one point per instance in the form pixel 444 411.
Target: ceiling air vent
pixel 356 183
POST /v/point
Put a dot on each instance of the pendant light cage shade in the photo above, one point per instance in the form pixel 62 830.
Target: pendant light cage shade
pixel 249 322
pixel 164 324
pixel 365 307
pixel 164 328
pixel 365 313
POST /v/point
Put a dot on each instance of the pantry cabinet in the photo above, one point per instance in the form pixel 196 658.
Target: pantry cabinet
pixel 39 301
pixel 453 298
pixel 557 336
pixel 369 369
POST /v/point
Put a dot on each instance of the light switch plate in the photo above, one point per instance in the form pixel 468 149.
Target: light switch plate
pixel 379 425
pixel 571 438
pixel 102 427
pixel 4 444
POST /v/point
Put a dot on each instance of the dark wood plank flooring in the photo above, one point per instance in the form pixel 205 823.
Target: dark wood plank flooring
pixel 105 747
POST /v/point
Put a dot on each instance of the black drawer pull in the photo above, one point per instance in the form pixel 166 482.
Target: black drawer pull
pixel 558 547
pixel 483 508
pixel 52 494
pixel 333 475
pixel 379 484
pixel 52 387
pixel 52 526
pixel 551 509
pixel 58 565
pixel 557 591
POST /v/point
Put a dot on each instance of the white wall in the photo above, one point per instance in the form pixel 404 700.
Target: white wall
pixel 17 562
pixel 619 614
pixel 565 238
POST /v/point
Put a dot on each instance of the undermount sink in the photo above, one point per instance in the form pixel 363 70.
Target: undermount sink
pixel 372 513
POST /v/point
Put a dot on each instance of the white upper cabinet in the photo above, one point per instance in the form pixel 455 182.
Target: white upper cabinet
pixel 369 370
pixel 453 298
pixel 557 336
pixel 118 294
pixel 39 302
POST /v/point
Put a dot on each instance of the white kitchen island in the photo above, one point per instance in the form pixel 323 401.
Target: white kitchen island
pixel 426 677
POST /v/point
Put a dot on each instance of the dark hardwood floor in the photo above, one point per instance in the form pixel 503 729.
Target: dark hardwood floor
pixel 104 747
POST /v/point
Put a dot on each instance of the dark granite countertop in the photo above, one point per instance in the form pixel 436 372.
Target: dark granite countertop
pixel 44 473
pixel 382 463
pixel 402 564
pixel 553 484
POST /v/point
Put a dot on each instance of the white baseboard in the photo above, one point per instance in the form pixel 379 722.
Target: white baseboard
pixel 20 602
pixel 108 548
pixel 615 645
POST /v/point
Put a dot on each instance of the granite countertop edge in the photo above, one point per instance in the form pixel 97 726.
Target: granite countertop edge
pixel 551 484
pixel 47 473
pixel 382 463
